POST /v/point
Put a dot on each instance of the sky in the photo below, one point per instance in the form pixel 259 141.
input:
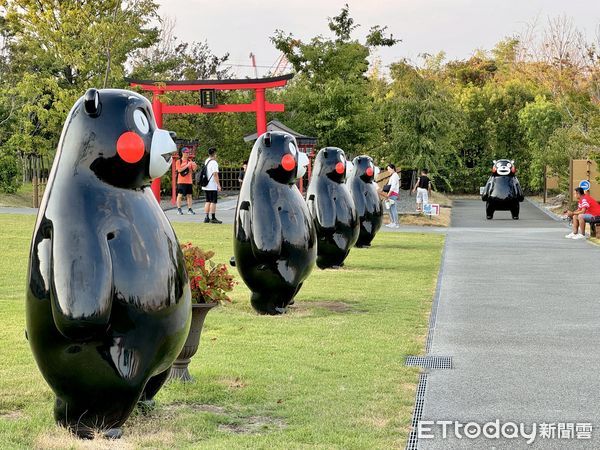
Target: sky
pixel 458 27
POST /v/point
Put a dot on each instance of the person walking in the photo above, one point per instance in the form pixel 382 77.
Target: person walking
pixel 423 188
pixel 392 196
pixel 213 187
pixel 185 168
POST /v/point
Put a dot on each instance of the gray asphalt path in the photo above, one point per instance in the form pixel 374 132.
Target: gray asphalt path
pixel 519 312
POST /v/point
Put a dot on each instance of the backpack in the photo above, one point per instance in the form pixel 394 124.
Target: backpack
pixel 202 177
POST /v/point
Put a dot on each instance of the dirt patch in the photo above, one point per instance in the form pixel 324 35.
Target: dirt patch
pixel 335 306
pixel 194 407
pixel 61 438
pixel 442 220
pixel 254 425
pixel 377 422
pixel 233 383
pixel 12 415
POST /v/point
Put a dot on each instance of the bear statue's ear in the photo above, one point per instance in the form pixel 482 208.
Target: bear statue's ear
pixel 91 102
pixel 494 162
pixel 512 162
pixel 267 139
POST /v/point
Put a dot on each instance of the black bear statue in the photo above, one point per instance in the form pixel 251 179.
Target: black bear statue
pixel 502 192
pixel 332 208
pixel 274 237
pixel 366 200
pixel 108 300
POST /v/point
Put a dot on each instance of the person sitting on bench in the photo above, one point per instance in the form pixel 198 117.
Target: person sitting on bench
pixel 588 210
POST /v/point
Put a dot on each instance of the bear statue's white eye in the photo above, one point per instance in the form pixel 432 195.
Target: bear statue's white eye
pixel 509 165
pixel 141 121
pixel 292 149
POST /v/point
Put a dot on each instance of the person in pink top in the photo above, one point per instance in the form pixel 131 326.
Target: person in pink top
pixel 587 211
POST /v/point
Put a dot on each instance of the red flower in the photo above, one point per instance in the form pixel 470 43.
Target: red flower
pixel 208 282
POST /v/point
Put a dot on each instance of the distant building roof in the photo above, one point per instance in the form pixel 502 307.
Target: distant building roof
pixel 275 125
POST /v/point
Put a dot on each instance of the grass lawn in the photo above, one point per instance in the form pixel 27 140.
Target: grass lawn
pixel 329 374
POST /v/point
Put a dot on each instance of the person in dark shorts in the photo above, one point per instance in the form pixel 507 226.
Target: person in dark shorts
pixel 185 168
pixel 213 187
pixel 423 188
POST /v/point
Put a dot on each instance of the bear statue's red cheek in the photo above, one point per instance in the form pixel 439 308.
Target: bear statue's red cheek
pixel 288 163
pixel 369 171
pixel 339 168
pixel 130 147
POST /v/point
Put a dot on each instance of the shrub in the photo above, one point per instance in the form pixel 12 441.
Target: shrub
pixel 9 173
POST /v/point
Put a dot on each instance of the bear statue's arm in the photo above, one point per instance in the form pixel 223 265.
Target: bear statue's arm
pixel 81 287
pixel 519 190
pixel 487 189
pixel 265 220
pixel 357 196
pixel 325 210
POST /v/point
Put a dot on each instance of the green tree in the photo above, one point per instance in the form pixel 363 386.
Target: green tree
pixel 54 51
pixel 329 97
pixel 538 120
pixel 423 123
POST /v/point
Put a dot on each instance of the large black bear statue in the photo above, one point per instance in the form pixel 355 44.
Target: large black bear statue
pixel 366 200
pixel 332 208
pixel 108 300
pixel 502 192
pixel 274 237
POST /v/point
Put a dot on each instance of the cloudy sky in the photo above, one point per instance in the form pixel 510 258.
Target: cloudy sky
pixel 425 26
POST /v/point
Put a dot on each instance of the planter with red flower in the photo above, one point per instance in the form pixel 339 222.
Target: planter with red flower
pixel 209 283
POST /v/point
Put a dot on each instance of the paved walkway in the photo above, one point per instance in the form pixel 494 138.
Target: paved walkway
pixel 226 213
pixel 519 312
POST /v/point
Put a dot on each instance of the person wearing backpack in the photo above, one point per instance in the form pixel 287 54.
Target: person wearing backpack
pixel 212 186
pixel 184 168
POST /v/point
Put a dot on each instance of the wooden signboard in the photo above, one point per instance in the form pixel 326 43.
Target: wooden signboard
pixel 581 170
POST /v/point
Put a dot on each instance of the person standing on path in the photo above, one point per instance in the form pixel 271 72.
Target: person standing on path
pixel 423 188
pixel 185 168
pixel 587 210
pixel 213 187
pixel 392 196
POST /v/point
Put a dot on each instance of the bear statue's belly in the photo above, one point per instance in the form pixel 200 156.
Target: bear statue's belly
pixel 503 190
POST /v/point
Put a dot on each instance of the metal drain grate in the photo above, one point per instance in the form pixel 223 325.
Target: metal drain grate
pixel 413 437
pixel 430 362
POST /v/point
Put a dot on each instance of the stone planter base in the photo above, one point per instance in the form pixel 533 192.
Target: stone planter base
pixel 179 370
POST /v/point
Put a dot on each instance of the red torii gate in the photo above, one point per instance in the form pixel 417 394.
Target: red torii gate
pixel 260 105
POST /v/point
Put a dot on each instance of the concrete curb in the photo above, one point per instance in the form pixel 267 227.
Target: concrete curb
pixel 545 211
pixel 436 298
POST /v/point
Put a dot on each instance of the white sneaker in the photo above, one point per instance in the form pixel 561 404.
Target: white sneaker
pixel 578 236
pixel 390 225
pixel 570 236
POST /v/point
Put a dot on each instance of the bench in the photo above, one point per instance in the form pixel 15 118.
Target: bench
pixel 595 221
